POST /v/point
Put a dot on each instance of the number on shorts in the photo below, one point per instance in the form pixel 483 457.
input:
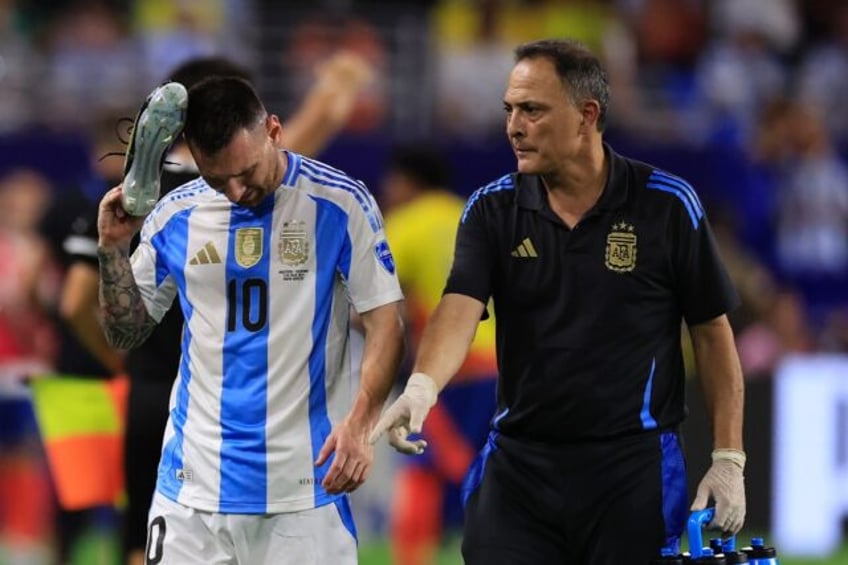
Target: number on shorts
pixel 157 525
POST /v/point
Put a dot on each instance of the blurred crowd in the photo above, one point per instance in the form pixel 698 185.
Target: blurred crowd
pixel 754 88
pixel 745 98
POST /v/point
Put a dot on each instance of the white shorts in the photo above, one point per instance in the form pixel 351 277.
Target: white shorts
pixel 179 535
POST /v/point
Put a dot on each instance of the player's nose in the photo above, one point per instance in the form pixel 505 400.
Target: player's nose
pixel 235 189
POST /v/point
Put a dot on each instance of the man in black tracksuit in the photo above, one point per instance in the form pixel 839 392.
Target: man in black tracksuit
pixel 592 261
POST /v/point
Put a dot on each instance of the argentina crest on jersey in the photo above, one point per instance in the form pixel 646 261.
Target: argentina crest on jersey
pixel 293 250
pixel 293 246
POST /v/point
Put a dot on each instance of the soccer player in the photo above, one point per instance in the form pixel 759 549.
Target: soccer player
pixel 265 252
pixel 421 219
pixel 593 260
pixel 153 365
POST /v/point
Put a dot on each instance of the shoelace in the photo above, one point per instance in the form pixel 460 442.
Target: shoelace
pixel 126 141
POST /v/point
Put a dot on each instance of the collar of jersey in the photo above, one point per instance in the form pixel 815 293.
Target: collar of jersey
pixel 531 191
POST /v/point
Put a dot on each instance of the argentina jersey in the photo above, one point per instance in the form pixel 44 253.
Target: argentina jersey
pixel 265 370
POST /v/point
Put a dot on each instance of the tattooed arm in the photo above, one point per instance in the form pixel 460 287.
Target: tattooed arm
pixel 126 321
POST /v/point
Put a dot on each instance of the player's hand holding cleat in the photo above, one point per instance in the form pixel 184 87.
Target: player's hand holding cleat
pixel 157 125
pixel 406 415
pixel 725 483
pixel 115 226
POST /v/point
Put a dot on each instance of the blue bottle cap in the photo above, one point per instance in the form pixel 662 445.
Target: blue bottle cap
pixel 758 550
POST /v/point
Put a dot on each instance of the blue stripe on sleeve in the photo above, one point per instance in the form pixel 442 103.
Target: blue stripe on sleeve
pixel 682 191
pixel 187 190
pixel 326 171
pixel 506 182
pixel 244 394
pixel 683 185
pixel 325 175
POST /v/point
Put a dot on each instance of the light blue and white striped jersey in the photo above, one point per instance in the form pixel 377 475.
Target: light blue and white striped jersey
pixel 265 371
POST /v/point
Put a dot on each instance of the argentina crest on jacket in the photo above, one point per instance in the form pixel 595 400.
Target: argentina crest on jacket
pixel 621 248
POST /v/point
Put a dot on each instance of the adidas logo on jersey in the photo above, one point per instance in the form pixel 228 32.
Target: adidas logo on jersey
pixel 525 249
pixel 208 254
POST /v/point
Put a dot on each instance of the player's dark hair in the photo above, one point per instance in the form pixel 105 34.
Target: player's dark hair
pixel 218 108
pixel 424 163
pixel 578 68
pixel 195 70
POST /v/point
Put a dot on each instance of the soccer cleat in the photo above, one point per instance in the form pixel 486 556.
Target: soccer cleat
pixel 157 125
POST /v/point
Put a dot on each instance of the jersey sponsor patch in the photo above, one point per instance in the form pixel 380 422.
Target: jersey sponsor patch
pixel 384 254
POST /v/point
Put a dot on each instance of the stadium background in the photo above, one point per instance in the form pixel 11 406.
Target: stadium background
pixel 745 98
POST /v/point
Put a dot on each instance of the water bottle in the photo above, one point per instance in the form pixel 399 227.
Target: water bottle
pixel 720 551
pixel 728 548
pixel 707 555
pixel 759 554
pixel 669 556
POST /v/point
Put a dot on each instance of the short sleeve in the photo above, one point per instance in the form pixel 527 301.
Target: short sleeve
pixel 473 259
pixel 154 281
pixel 704 287
pixel 367 265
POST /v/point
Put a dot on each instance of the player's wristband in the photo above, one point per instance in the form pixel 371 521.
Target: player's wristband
pixel 426 384
pixel 736 456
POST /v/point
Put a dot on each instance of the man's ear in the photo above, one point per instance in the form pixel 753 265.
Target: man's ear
pixel 274 129
pixel 591 113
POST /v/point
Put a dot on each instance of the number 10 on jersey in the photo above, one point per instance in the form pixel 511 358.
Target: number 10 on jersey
pixel 247 304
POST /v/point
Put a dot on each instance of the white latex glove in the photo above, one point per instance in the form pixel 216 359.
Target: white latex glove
pixel 406 415
pixel 725 483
